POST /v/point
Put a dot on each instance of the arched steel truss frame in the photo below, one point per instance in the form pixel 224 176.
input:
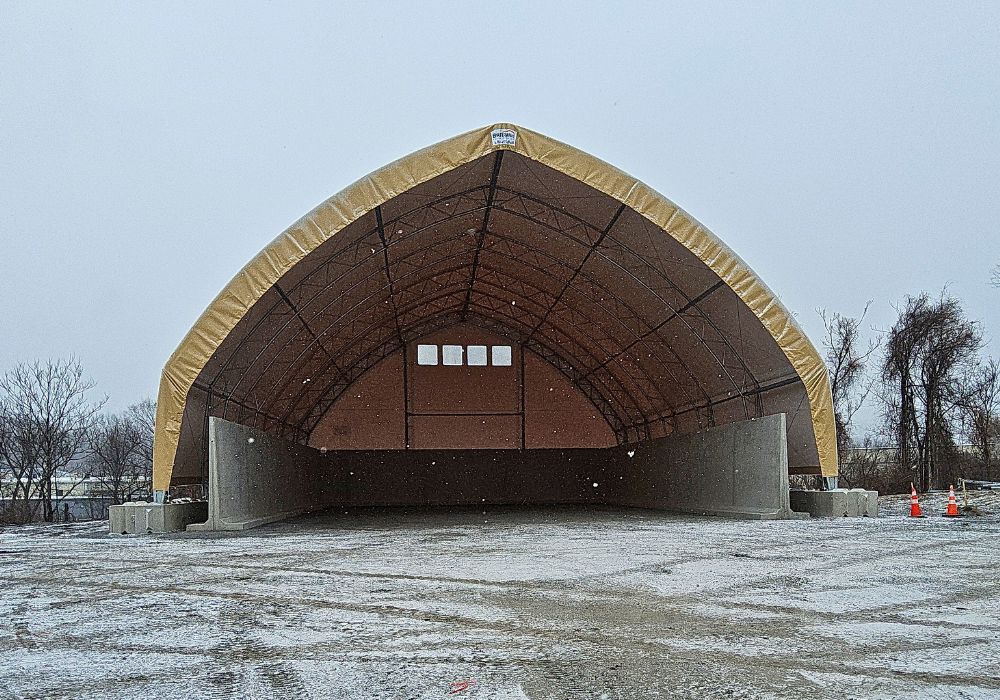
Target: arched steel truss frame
pixel 594 376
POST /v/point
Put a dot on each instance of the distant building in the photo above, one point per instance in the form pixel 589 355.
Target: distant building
pixel 77 498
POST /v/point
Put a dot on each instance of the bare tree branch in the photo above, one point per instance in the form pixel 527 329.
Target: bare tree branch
pixel 847 358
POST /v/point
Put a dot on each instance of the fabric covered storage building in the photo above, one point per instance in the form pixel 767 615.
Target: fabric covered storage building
pixel 498 291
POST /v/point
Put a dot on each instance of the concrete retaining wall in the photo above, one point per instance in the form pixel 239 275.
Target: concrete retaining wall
pixel 255 478
pixel 465 477
pixel 739 469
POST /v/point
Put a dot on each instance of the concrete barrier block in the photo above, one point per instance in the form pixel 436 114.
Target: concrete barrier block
pixel 867 503
pixel 175 517
pixel 118 519
pixel 838 503
pixel 140 518
pixel 126 519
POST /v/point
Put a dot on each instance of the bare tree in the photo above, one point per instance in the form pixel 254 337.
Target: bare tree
pixel 18 459
pixel 121 452
pixel 116 456
pixel 927 353
pixel 144 416
pixel 846 358
pixel 52 399
pixel 981 412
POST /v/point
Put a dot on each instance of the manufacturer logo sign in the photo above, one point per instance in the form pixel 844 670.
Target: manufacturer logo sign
pixel 503 137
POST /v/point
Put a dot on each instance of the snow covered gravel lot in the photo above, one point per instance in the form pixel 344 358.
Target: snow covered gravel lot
pixel 557 603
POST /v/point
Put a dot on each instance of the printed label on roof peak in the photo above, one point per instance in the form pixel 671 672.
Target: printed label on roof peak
pixel 503 137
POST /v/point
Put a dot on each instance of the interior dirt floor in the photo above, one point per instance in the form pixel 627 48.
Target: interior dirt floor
pixel 543 603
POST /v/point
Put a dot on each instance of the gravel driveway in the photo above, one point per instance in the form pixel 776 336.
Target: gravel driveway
pixel 558 603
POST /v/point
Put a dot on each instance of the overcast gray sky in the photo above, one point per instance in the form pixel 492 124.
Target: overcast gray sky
pixel 847 151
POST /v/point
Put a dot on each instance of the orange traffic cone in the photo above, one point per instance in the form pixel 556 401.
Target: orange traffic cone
pixel 952 511
pixel 914 503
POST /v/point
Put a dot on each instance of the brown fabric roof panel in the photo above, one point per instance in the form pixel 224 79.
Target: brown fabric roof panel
pixel 454 189
pixel 566 204
pixel 791 400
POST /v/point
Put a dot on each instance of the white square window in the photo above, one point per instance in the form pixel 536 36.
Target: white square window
pixel 427 354
pixel 477 355
pixel 451 354
pixel 501 356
